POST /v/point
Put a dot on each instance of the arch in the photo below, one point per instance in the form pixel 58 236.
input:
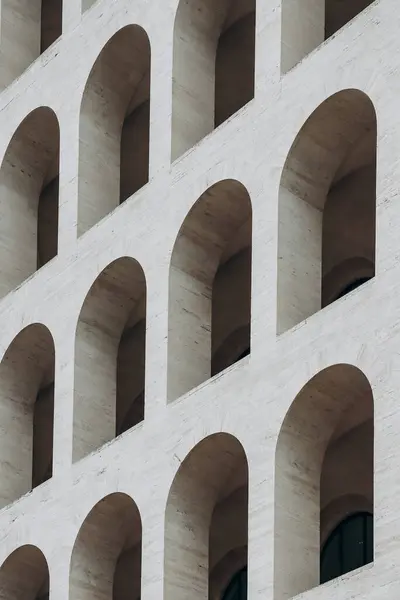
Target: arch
pixel 324 453
pixel 206 516
pixel 213 66
pixel 210 265
pixel 307 24
pixel 110 357
pixel 327 202
pixel 27 28
pixel 26 412
pixel 24 575
pixel 114 126
pixel 107 554
pixel 29 198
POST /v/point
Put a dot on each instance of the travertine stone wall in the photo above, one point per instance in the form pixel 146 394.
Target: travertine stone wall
pixel 250 402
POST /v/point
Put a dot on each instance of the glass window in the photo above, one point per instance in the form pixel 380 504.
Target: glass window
pixel 237 588
pixel 349 547
pixel 353 286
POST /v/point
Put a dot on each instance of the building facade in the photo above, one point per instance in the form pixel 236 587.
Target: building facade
pixel 199 229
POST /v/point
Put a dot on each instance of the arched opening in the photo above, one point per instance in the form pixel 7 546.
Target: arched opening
pixel 26 412
pixel 110 357
pixel 210 288
pixel 306 24
pixel 29 198
pixel 206 520
pixel 25 575
pixel 327 205
pixel 323 473
pixel 213 70
pixel 114 126
pixel 107 554
pixel 28 28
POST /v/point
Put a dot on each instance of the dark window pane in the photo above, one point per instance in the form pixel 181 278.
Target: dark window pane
pixel 331 566
pixel 353 543
pixel 237 589
pixel 353 286
pixel 369 534
pixel 349 547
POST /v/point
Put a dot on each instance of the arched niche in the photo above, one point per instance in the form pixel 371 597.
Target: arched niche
pixel 24 575
pixel 327 204
pixel 107 554
pixel 110 357
pixel 213 66
pixel 323 471
pixel 27 28
pixel 306 24
pixel 206 521
pixel 114 126
pixel 26 412
pixel 29 198
pixel 209 286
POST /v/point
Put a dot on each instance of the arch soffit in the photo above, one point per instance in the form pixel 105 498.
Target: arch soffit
pixel 349 372
pixel 30 547
pixel 137 30
pixel 90 509
pixel 198 447
pixel 328 123
pixel 133 263
pixel 42 113
pixel 40 328
pixel 227 186
pixel 31 560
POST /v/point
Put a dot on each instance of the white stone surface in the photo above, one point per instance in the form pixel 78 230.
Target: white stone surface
pixel 250 399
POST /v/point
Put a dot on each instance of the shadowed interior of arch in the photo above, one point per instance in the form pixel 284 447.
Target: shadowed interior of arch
pixel 25 575
pixel 210 287
pixel 114 126
pixel 324 457
pixel 206 520
pixel 327 206
pixel 306 24
pixel 27 412
pixel 213 68
pixel 110 357
pixel 29 198
pixel 107 555
pixel 51 22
